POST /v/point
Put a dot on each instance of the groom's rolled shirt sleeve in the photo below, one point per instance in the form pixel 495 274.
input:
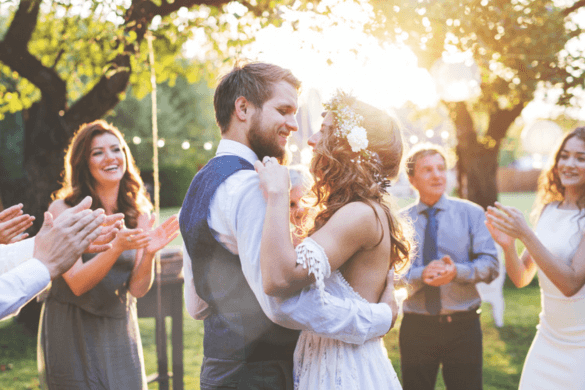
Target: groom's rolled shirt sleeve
pixel 351 321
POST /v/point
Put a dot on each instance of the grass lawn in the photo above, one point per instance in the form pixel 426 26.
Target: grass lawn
pixel 504 348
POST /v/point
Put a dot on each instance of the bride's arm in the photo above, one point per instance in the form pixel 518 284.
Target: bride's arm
pixel 351 228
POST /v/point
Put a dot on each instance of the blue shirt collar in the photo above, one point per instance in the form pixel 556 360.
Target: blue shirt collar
pixel 227 146
pixel 441 205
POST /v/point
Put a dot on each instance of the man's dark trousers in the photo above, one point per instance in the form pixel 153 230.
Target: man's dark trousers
pixel 428 341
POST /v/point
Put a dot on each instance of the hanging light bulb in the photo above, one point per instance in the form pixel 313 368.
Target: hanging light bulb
pixel 185 145
pixel 161 143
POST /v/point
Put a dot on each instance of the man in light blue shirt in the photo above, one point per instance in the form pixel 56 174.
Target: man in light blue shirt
pixel 454 252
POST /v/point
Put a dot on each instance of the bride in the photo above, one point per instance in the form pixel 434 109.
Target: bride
pixel 356 241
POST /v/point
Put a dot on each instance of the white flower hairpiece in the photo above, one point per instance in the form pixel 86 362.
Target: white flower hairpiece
pixel 349 126
pixel 349 123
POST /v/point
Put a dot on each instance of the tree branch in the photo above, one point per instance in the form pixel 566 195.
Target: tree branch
pixel 579 4
pixel 501 120
pixel 24 22
pixel 14 53
pixel 104 95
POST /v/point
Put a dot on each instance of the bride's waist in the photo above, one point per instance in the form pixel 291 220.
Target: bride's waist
pixel 315 338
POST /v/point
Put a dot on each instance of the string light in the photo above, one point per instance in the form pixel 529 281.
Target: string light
pixel 413 139
pixel 445 134
pixel 430 133
pixel 162 143
pixel 294 148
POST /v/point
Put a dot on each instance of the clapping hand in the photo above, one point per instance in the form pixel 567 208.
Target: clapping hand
pixel 162 235
pixel 13 223
pixel 127 239
pixel 505 224
pixel 439 272
pixel 110 228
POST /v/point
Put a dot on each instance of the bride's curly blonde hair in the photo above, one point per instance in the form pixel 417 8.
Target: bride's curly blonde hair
pixel 340 179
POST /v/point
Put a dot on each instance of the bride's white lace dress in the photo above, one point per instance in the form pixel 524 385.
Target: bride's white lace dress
pixel 323 363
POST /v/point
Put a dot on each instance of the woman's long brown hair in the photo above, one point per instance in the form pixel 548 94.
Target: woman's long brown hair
pixel 79 183
pixel 550 188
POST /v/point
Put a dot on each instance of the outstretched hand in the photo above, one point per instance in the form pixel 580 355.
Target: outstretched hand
pixel 110 228
pixel 274 178
pixel 163 234
pixel 508 220
pixel 128 239
pixel 13 223
pixel 499 237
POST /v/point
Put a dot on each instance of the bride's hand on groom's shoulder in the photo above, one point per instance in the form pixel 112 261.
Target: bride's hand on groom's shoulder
pixel 274 178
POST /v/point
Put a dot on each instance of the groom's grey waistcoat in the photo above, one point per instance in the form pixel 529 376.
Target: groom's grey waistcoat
pixel 237 328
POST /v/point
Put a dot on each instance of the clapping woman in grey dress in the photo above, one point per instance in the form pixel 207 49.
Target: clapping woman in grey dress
pixel 89 337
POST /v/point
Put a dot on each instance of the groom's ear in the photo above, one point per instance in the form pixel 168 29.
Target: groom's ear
pixel 242 108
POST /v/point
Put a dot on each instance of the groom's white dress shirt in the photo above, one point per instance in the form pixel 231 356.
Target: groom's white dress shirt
pixel 22 277
pixel 236 218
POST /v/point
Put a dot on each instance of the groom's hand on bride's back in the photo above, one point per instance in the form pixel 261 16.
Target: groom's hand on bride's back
pixel 388 298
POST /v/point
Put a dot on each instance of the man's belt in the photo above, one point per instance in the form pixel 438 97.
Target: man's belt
pixel 446 318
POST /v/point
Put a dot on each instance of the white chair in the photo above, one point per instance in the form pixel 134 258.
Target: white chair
pixel 493 293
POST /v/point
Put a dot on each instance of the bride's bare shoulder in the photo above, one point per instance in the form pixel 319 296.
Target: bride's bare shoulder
pixel 358 216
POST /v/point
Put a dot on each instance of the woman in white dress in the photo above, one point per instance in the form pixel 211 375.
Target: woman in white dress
pixel 556 250
pixel 356 240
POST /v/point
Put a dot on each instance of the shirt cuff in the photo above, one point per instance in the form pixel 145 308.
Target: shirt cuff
pixel 381 320
pixel 464 272
pixel 34 273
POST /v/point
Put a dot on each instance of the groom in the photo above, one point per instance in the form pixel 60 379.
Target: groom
pixel 250 337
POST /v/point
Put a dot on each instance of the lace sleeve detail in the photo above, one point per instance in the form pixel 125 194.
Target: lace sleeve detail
pixel 312 255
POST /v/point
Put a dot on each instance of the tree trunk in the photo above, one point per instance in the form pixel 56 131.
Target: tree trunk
pixel 477 159
pixel 45 140
pixel 477 169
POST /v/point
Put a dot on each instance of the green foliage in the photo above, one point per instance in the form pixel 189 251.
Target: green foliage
pixel 79 41
pixel 174 182
pixel 517 44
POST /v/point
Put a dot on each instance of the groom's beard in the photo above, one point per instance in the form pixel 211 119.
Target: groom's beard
pixel 264 142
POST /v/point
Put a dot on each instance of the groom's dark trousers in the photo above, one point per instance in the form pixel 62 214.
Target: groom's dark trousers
pixel 242 348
